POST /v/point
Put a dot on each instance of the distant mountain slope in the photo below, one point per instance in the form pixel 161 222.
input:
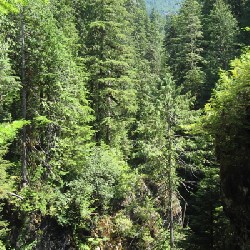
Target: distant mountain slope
pixel 163 6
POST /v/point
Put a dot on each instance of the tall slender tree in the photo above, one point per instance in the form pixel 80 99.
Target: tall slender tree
pixel 110 65
pixel 184 44
pixel 221 31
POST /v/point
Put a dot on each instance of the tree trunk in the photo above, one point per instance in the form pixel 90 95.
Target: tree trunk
pixel 24 105
pixel 170 186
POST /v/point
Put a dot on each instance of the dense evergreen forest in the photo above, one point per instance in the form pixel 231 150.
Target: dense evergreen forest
pixel 123 130
pixel 163 6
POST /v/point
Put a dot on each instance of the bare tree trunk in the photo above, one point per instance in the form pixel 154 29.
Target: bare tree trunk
pixel 184 214
pixel 108 139
pixel 170 185
pixel 171 204
pixel 24 105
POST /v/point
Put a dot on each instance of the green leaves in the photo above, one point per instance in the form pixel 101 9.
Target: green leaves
pixel 221 29
pixel 110 135
pixel 227 120
pixel 110 64
pixel 230 99
pixel 10 6
pixel 8 131
pixel 93 187
pixel 184 36
pixel 9 84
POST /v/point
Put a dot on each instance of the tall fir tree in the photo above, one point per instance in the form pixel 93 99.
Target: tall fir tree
pixel 221 31
pixel 109 61
pixel 183 43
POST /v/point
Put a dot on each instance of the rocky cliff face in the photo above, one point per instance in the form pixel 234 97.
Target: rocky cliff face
pixel 234 157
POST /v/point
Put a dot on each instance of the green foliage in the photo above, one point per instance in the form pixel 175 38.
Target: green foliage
pixel 9 85
pixel 98 179
pixel 10 6
pixel 8 132
pixel 229 102
pixel 221 29
pixel 112 76
pixel 163 6
pixel 160 144
pixel 227 120
pixel 209 225
pixel 111 141
pixel 183 42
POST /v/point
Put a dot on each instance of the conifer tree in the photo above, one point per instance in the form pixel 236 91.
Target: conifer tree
pixel 106 148
pixel 9 89
pixel 184 44
pixel 208 223
pixel 55 99
pixel 110 65
pixel 221 31
pixel 9 84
